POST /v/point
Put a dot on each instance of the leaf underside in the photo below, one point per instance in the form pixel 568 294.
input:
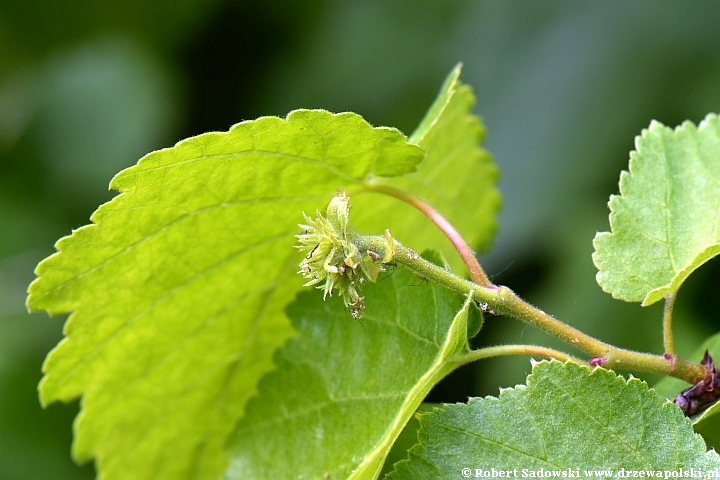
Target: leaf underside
pixel 457 178
pixel 567 417
pixel 666 221
pixel 343 391
pixel 177 289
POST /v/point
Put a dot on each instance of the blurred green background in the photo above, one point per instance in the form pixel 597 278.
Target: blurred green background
pixel 87 88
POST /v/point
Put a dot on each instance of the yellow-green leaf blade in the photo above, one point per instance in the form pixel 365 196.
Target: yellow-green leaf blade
pixel 178 287
pixel 666 221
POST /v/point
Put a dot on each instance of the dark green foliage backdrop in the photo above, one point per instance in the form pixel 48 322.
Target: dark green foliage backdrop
pixel 87 88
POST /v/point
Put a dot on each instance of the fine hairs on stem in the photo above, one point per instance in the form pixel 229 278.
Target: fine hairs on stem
pixel 603 354
pixel 504 301
pixel 346 259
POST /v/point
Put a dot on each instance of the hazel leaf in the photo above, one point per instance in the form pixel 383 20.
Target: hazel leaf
pixel 177 288
pixel 666 221
pixel 566 419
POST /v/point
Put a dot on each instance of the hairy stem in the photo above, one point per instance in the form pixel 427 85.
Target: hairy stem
pixel 531 350
pixel 668 340
pixel 504 301
pixel 477 274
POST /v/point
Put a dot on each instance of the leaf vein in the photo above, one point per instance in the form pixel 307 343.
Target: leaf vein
pixel 492 441
pixel 323 405
pixel 580 406
pixel 151 235
pixel 231 364
pixel 101 345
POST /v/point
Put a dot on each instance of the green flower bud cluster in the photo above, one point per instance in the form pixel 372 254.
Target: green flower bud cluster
pixel 333 260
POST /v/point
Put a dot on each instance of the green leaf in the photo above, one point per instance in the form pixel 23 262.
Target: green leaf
pixel 457 178
pixel 178 287
pixel 666 221
pixel 707 422
pixel 343 391
pixel 567 417
pixel 406 440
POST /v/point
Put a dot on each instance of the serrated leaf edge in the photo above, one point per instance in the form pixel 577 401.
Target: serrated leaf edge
pixel 680 276
pixel 529 384
pixel 122 183
pixel 35 296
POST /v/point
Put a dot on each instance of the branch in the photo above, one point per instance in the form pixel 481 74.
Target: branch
pixel 504 301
